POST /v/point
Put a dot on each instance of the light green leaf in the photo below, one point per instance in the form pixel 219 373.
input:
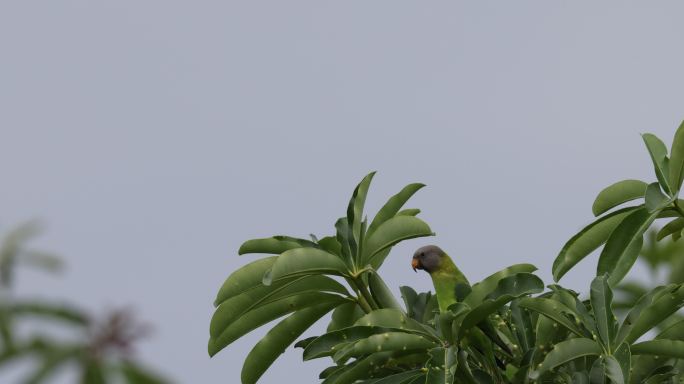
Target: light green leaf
pixel 654 198
pixel 233 308
pixel 674 226
pixel 618 193
pixel 624 244
pixel 587 241
pixel 305 261
pixel 409 212
pixel 266 313
pixel 355 208
pixel 271 346
pixel 273 245
pixel 391 232
pixel 658 152
pixel 677 159
pixel 393 205
pixel 245 278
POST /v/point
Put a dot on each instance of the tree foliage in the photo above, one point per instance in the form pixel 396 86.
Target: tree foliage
pixel 505 329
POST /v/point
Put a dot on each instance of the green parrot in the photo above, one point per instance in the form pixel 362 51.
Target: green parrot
pixel 450 283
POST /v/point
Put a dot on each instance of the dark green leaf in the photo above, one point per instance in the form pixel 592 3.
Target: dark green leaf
pixel 587 241
pixel 624 244
pixel 267 350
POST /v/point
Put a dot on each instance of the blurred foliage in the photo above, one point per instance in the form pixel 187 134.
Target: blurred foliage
pixel 54 335
pixel 665 263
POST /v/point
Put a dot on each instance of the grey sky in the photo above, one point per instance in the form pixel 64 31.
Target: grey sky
pixel 153 137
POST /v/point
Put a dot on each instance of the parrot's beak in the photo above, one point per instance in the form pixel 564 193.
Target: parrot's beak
pixel 415 264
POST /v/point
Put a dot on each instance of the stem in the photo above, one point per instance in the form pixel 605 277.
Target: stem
pixel 359 297
pixel 366 294
pixel 678 208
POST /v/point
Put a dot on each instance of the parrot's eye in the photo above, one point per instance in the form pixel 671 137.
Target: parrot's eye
pixel 422 254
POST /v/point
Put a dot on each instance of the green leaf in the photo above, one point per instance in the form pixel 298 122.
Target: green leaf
pixel 567 351
pixel 345 316
pixel 509 288
pixel 658 152
pixel 623 355
pixel 618 193
pixel 399 378
pixel 391 232
pixel 387 341
pixel 276 341
pixel 361 369
pixel 655 199
pixel 331 245
pixel 652 311
pixel 554 310
pixel 245 278
pixel 329 343
pixel 345 238
pixel 480 290
pixel 381 293
pixel 601 303
pixel 624 244
pixel 660 347
pixel 266 313
pixel 273 245
pixel 393 205
pixel 305 261
pixel 355 208
pixel 613 370
pixel 677 160
pixel 587 241
pixel 409 212
pixel 393 318
pixel 674 226
pixel 231 309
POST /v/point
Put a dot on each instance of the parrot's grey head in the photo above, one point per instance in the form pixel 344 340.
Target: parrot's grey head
pixel 427 258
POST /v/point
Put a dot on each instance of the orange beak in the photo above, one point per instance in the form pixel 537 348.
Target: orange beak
pixel 415 264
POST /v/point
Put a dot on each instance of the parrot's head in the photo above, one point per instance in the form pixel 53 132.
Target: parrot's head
pixel 428 258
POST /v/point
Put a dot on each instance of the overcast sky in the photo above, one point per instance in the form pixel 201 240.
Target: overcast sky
pixel 153 137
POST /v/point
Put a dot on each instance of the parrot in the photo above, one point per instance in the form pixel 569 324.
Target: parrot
pixel 450 283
